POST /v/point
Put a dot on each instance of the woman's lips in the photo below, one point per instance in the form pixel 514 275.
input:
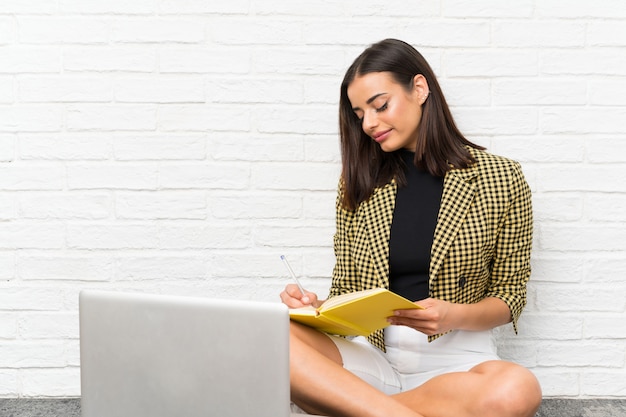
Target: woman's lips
pixel 381 136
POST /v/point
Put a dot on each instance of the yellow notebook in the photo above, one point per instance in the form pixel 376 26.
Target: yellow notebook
pixel 357 313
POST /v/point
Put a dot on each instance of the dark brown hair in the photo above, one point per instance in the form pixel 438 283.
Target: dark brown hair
pixel 440 144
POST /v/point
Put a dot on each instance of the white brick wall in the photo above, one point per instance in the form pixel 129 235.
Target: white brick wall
pixel 181 146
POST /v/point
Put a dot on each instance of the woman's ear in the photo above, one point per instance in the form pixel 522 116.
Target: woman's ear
pixel 420 88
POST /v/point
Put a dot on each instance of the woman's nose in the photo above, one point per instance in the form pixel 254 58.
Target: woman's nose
pixel 370 121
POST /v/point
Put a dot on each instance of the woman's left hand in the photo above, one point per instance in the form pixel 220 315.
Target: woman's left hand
pixel 437 317
pixel 440 316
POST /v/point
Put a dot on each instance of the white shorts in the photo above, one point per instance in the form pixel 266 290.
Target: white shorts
pixel 410 360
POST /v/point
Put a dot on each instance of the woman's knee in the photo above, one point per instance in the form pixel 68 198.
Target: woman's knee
pixel 512 391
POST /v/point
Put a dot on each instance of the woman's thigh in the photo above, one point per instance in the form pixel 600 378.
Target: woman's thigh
pixel 368 363
pixel 308 336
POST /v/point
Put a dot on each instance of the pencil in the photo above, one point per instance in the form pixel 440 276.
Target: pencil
pixel 292 274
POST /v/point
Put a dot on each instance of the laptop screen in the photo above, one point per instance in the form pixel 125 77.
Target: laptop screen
pixel 156 355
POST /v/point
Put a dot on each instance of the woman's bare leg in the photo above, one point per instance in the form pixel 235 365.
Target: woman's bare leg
pixel 494 388
pixel 320 384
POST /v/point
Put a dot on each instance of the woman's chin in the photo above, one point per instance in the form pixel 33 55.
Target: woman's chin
pixel 389 148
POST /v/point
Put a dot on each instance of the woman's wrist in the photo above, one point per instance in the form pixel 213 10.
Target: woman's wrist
pixel 486 314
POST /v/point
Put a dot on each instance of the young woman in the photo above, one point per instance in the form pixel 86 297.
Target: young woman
pixel 428 214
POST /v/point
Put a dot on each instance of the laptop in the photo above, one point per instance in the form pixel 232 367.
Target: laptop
pixel 162 356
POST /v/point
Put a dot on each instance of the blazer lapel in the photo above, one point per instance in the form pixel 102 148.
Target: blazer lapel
pixel 458 193
pixel 377 214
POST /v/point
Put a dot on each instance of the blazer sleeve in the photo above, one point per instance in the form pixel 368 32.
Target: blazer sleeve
pixel 345 278
pixel 511 266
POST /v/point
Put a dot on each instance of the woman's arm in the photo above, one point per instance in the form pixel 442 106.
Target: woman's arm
pixel 511 268
pixel 343 270
pixel 441 316
pixel 344 279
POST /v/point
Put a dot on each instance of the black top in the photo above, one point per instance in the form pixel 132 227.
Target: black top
pixel 412 231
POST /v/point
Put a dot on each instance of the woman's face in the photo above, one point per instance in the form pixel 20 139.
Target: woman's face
pixel 389 113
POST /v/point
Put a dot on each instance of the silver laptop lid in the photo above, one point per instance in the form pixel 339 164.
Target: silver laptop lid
pixel 154 355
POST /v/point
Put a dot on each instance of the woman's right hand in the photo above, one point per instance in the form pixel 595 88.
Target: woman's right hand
pixel 292 297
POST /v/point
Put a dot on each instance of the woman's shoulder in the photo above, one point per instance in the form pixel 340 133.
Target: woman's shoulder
pixel 487 162
pixel 486 157
pixel 497 172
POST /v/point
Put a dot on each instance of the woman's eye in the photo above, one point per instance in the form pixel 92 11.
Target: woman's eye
pixel 382 108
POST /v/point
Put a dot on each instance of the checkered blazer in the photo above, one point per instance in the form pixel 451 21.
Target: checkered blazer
pixel 481 246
